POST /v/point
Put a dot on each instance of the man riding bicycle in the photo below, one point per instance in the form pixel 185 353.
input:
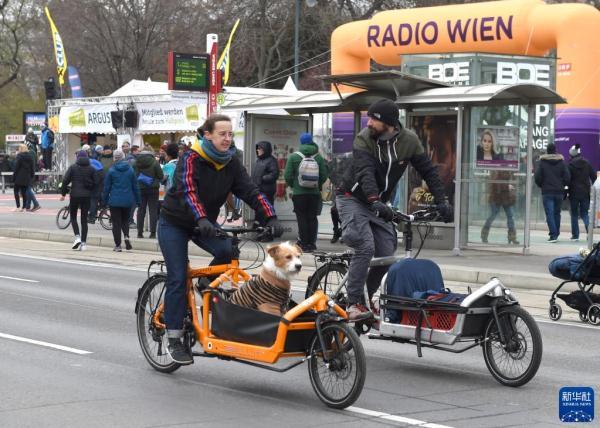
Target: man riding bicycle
pixel 203 178
pixel 381 153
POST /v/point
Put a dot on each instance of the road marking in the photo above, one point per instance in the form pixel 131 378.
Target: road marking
pixel 75 262
pixel 46 344
pixel 568 324
pixel 18 279
pixel 394 418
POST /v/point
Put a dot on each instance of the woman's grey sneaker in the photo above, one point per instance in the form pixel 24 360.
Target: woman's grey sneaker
pixel 83 246
pixel 117 249
pixel 178 352
pixel 76 243
pixel 128 244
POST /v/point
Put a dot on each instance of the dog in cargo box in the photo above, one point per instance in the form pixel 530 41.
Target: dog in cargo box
pixel 269 291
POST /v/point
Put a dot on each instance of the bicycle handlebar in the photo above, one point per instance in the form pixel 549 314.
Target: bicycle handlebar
pixel 428 214
pixel 235 231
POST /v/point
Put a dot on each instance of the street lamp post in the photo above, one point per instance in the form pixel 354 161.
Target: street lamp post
pixel 309 3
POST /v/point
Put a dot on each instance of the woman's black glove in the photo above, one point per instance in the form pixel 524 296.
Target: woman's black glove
pixel 382 210
pixel 446 211
pixel 275 226
pixel 205 228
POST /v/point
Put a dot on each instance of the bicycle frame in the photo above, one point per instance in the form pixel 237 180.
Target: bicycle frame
pixel 226 348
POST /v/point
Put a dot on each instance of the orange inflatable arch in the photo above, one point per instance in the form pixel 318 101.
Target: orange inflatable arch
pixel 516 27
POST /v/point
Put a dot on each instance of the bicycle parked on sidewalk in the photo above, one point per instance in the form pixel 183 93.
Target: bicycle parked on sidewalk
pixel 490 316
pixel 313 331
pixel 63 218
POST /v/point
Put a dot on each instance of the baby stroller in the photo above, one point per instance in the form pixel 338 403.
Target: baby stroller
pixel 585 271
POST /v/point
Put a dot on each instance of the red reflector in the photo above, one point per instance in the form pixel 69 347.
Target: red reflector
pixel 215 299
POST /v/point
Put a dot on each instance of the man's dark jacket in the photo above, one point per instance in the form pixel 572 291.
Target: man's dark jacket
pixel 199 190
pixel 551 174
pixel 266 171
pixel 378 165
pixel 583 176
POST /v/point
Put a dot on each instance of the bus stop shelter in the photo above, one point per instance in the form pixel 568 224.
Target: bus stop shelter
pixel 414 94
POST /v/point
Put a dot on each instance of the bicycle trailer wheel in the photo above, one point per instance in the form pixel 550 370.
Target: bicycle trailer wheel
pixel 515 362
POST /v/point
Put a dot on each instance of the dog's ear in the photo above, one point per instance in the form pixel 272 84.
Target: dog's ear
pixel 297 247
pixel 272 250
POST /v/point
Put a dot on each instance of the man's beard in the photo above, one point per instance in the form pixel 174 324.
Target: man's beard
pixel 374 133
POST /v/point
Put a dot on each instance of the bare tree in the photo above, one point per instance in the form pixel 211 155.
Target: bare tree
pixel 11 39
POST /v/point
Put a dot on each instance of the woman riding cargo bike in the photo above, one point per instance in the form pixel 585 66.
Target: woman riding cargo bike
pixel 166 304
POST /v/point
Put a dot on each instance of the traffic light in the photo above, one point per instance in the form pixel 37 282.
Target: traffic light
pixel 50 88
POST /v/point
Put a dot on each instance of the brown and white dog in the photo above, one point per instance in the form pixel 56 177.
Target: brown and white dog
pixel 269 291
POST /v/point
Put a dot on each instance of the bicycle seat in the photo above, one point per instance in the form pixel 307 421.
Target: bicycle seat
pixel 384 261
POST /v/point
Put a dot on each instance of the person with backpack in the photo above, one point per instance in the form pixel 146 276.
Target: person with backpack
pixel 149 175
pixel 121 192
pixel 47 146
pixel 305 172
pixel 83 180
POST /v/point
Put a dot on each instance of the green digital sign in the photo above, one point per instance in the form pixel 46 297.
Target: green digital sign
pixel 188 72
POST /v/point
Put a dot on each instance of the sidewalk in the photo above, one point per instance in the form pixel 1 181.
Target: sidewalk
pixel 476 265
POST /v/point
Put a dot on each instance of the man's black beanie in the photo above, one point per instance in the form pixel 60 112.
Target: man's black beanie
pixel 385 111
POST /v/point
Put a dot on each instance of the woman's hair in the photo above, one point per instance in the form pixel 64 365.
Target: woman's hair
pixel 23 148
pixel 209 124
pixel 172 150
pixel 491 134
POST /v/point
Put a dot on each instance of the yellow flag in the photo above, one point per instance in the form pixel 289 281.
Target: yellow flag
pixel 223 62
pixel 59 50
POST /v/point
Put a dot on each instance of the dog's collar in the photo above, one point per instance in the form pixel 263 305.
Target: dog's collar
pixel 273 279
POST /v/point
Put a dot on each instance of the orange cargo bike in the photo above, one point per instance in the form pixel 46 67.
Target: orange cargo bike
pixel 315 331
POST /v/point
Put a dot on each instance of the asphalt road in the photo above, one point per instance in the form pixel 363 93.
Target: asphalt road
pixel 102 379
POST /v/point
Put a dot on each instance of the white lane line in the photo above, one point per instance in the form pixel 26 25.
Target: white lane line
pixel 75 262
pixel 394 418
pixel 46 344
pixel 18 279
pixel 568 324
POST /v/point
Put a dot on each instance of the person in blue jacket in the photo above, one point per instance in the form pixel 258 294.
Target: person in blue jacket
pixel 121 192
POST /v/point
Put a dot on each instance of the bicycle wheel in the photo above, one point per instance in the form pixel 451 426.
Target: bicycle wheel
pixel 224 214
pixel 328 278
pixel 339 381
pixel 515 363
pixel 104 218
pixel 63 218
pixel 153 340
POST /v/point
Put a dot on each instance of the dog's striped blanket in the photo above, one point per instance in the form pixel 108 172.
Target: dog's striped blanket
pixel 258 291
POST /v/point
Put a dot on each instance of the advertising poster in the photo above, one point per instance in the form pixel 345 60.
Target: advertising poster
pixel 497 148
pixel 33 120
pixel 437 134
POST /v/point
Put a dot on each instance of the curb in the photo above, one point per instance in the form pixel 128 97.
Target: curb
pixel 454 273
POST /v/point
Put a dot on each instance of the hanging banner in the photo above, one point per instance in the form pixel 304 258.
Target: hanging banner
pixel 171 116
pixel 153 117
pixel 86 119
